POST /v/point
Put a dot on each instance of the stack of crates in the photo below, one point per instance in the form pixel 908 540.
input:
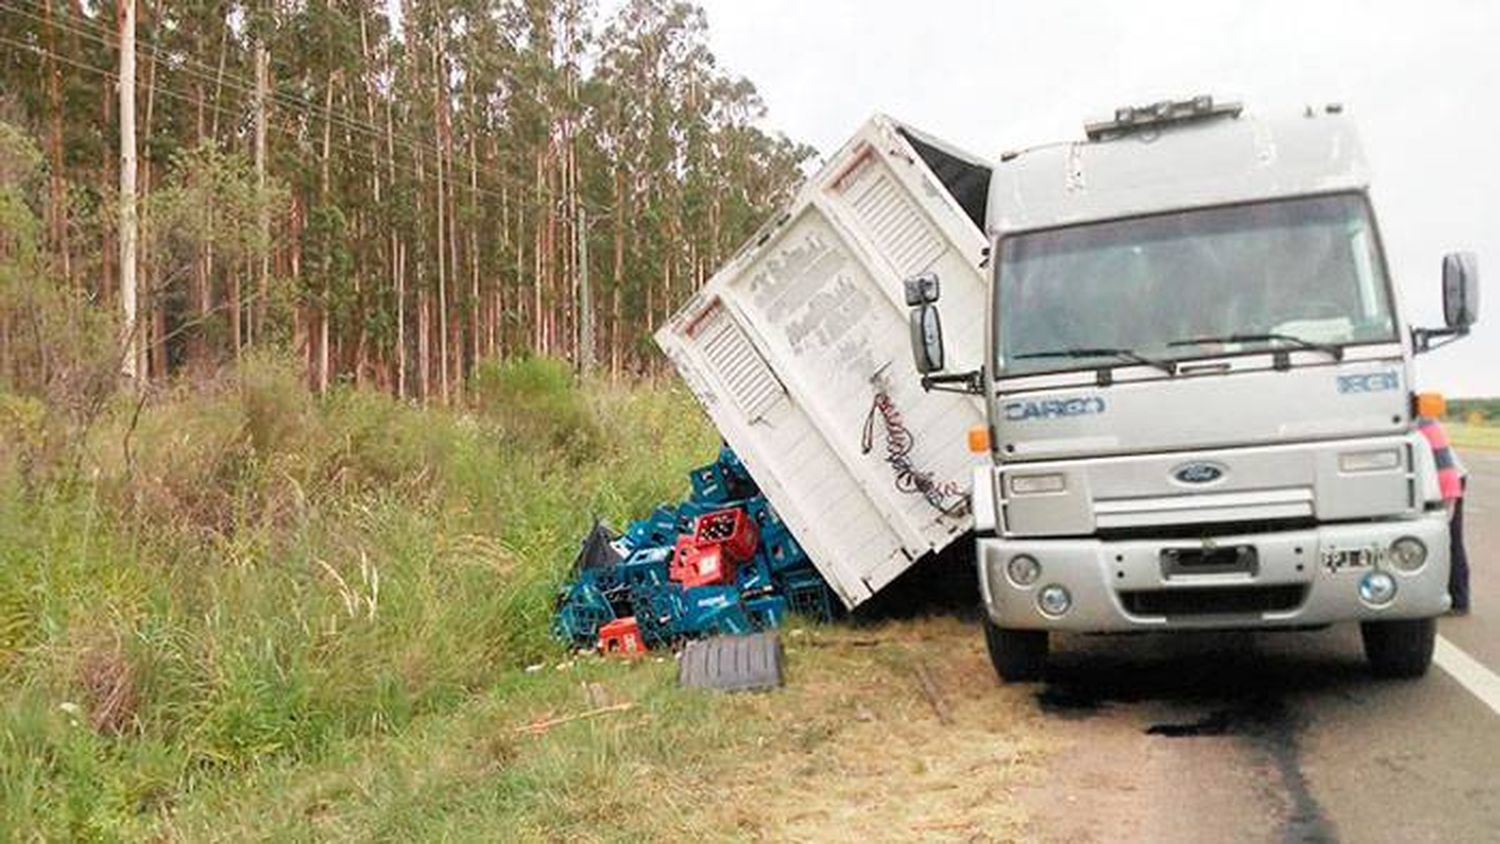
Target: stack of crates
pixel 721 562
pixel 580 614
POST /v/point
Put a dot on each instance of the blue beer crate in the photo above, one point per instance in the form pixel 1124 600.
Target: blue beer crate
pixel 735 473
pixel 645 564
pixel 637 534
pixel 806 594
pixel 660 528
pixel 768 612
pixel 781 550
pixel 584 609
pixel 754 577
pixel 710 486
pixel 664 525
pixel 763 514
pixel 688 513
pixel 715 611
pixel 659 612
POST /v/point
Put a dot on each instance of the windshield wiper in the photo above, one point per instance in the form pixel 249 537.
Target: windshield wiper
pixel 1167 366
pixel 1335 352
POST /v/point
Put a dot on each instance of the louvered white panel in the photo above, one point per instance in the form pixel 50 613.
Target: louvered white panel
pixel 740 368
pixel 784 346
pixel 891 220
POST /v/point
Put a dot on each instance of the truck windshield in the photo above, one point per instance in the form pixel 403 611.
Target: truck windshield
pixel 1294 273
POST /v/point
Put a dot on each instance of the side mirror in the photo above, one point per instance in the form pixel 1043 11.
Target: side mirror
pixel 1460 290
pixel 922 289
pixel 926 337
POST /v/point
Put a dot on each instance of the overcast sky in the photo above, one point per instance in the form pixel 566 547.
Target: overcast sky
pixel 1421 79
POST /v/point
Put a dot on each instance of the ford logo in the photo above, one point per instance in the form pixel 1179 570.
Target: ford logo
pixel 1198 473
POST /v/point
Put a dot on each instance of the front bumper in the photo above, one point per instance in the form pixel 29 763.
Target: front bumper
pixel 1124 585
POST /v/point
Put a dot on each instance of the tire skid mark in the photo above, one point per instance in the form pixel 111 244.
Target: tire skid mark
pixel 1241 692
pixel 1266 724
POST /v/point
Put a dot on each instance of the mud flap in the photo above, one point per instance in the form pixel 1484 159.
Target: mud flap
pixel 732 663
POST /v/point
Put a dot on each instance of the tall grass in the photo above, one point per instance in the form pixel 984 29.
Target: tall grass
pixel 245 577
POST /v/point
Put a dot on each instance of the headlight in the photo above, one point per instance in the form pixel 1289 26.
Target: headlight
pixel 1054 600
pixel 1370 461
pixel 1377 588
pixel 1408 554
pixel 1023 570
pixel 1037 484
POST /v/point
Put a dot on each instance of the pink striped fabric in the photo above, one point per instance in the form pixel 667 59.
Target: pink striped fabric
pixel 1450 478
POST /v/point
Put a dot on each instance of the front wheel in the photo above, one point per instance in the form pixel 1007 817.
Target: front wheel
pixel 1018 655
pixel 1401 648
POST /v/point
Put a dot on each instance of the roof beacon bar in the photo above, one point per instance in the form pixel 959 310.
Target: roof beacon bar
pixel 1130 119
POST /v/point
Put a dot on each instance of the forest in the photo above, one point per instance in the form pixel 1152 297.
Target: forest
pixel 391 192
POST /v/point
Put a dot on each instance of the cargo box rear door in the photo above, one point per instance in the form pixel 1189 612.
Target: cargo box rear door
pixel 790 344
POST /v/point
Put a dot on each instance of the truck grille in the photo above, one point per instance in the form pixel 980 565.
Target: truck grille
pixel 1178 509
pixel 1213 600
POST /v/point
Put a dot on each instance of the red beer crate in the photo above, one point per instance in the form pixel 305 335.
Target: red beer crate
pixel 621 637
pixel 700 565
pixel 731 529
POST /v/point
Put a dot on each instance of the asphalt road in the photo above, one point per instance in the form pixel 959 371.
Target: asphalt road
pixel 1278 736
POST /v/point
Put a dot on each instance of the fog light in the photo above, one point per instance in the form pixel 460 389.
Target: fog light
pixel 1370 461
pixel 1377 588
pixel 1408 554
pixel 1023 570
pixel 1054 600
pixel 1037 484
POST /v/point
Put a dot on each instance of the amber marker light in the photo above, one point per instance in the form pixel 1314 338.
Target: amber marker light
pixel 1430 405
pixel 979 439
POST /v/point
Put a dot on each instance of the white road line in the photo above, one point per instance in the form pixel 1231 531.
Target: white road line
pixel 1480 681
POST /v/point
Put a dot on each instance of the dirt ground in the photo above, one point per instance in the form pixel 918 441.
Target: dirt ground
pixel 898 732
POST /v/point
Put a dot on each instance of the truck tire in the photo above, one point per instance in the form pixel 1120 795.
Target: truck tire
pixel 1018 655
pixel 1401 648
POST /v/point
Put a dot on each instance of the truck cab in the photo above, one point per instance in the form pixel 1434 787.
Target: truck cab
pixel 1198 381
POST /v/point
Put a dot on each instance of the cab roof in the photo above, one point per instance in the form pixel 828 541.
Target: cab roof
pixel 1220 159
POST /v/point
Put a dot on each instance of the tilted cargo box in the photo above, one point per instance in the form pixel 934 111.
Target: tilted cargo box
pixel 798 349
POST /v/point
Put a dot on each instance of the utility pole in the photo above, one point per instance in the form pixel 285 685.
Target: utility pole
pixel 585 296
pixel 263 211
pixel 129 364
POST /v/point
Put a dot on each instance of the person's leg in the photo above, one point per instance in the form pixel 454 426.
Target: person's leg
pixel 1458 573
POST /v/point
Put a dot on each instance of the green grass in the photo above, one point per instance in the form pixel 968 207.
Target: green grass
pixel 850 749
pixel 257 615
pixel 262 580
pixel 1473 436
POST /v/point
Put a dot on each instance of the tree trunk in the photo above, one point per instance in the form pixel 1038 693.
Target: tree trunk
pixel 263 210
pixel 325 200
pixel 131 346
pixel 57 209
pixel 361 351
pixel 154 356
pixel 474 217
pixel 397 246
pixel 617 283
pixel 439 86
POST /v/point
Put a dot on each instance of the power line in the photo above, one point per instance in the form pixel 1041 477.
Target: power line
pixel 94 31
pixel 308 110
pixel 404 167
pixel 299 105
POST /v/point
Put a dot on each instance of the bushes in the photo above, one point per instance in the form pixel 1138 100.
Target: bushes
pixel 261 573
pixel 536 400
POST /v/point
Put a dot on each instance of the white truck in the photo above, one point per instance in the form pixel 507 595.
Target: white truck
pixel 1198 385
